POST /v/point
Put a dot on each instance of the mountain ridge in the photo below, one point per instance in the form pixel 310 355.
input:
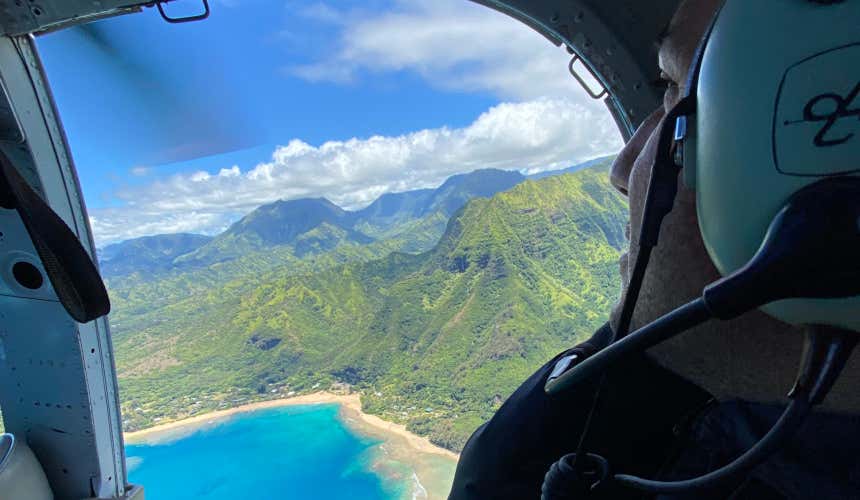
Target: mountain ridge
pixel 283 222
pixel 148 253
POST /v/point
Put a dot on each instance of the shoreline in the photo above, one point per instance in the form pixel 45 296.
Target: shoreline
pixel 431 468
pixel 350 402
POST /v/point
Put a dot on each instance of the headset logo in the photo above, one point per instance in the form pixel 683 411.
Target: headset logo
pixel 817 115
pixel 830 108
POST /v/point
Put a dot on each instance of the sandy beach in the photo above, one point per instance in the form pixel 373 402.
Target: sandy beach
pixel 432 465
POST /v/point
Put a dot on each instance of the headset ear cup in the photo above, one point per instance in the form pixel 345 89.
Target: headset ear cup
pixel 774 113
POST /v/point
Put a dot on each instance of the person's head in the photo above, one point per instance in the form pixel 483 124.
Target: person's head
pixel 632 167
pixel 677 46
pixel 725 358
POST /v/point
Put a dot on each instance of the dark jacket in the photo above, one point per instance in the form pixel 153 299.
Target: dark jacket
pixel 650 422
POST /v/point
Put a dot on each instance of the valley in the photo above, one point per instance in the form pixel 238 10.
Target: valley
pixel 433 304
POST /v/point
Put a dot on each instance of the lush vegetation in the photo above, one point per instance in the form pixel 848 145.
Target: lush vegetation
pixel 436 340
pixel 147 255
pixel 299 236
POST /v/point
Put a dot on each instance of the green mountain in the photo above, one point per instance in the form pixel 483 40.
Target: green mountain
pixel 306 230
pixel 149 254
pixel 435 340
pixel 282 222
pixel 603 160
pixel 417 219
pixel 391 208
pixel 308 224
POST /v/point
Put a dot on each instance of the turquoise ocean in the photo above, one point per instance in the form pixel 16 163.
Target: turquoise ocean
pixel 287 452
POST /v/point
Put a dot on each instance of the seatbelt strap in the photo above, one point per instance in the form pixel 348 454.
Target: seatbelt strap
pixel 70 269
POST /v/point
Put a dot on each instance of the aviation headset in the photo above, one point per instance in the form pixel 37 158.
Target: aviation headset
pixel 768 135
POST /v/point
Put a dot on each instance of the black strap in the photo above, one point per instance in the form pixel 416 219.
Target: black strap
pixel 69 267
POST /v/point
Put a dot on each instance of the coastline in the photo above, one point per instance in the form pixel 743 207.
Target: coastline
pixel 350 402
pixel 431 463
pixel 191 423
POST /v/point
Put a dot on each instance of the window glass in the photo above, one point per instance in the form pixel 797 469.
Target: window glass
pixel 397 209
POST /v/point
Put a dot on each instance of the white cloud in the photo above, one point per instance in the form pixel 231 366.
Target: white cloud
pixel 139 171
pixel 535 135
pixel 453 44
pixel 322 12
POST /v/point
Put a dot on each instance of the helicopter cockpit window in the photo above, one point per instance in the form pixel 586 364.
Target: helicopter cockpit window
pixel 397 210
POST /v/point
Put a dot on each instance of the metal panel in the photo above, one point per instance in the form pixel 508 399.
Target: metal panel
pixel 44 388
pixel 19 17
pixel 81 447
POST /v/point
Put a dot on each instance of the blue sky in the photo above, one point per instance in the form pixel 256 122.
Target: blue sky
pixel 188 127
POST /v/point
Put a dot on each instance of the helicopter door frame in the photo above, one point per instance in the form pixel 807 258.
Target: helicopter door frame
pixel 59 386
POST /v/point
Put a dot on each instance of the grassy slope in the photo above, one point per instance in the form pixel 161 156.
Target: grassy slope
pixel 435 340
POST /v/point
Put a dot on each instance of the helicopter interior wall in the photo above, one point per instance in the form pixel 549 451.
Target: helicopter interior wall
pixel 57 381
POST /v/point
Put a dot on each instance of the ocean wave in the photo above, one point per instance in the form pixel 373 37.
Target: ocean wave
pixel 131 463
pixel 418 489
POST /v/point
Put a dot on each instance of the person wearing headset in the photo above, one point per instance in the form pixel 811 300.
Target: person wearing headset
pixel 689 404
